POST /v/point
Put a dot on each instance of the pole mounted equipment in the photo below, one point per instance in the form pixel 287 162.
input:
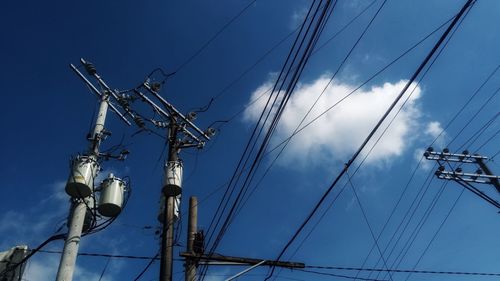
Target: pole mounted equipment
pixel 481 174
pixel 84 169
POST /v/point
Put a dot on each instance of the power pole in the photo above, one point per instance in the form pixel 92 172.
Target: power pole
pixel 79 206
pixel 482 174
pixel 194 254
pixel 182 133
pixel 80 185
pixel 191 264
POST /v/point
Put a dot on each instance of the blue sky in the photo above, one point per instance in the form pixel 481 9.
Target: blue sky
pixel 47 112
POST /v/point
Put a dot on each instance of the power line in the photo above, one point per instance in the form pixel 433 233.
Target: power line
pixel 404 270
pixel 356 154
pixel 384 131
pixel 331 107
pixel 339 275
pixel 301 54
pixel 209 41
pixel 151 261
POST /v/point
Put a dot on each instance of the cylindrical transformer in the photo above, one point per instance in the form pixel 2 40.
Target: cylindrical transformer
pixel 111 197
pixel 81 179
pixel 172 180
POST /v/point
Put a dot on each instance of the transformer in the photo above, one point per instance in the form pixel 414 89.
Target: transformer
pixel 111 197
pixel 81 179
pixel 172 181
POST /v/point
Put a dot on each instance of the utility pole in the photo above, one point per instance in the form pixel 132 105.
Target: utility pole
pixel 79 205
pixel 481 175
pixel 182 133
pixel 195 252
pixel 191 264
pixel 80 185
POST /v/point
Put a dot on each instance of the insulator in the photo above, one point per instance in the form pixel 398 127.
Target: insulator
pixel 426 154
pixel 430 149
pixel 441 168
pixel 90 68
pixel 139 121
pixel 465 152
pixel 210 132
pixel 111 197
pixel 191 116
pixel 446 150
pixel 156 87
pixel 81 179
pixel 458 170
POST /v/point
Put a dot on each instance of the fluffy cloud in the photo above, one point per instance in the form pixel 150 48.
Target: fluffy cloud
pixel 339 132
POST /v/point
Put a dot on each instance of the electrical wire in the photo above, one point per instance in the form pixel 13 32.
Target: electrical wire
pixel 356 154
pixel 437 232
pixel 281 106
pixel 282 103
pixel 339 275
pixel 148 265
pixel 209 41
pixel 404 270
pixel 331 107
pixel 32 252
pixel 316 50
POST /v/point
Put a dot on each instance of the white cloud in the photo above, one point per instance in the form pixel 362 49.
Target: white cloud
pixel 339 132
pixel 44 268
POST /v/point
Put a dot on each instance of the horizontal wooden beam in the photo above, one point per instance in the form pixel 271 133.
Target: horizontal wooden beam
pixel 241 260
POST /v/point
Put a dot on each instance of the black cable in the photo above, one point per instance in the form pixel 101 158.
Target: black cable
pixel 404 270
pixel 418 227
pixel 324 89
pixel 339 275
pixel 146 267
pixel 437 232
pixel 352 92
pixel 387 127
pixel 367 222
pixel 32 252
pixel 475 115
pixel 104 269
pixel 228 191
pixel 281 105
pixel 279 110
pixel 356 154
pixel 209 41
pixel 488 140
pixel 475 136
pixel 342 29
pixel 424 187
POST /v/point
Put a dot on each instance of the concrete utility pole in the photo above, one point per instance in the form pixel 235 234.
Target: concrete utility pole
pixel 80 185
pixel 191 264
pixel 79 205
